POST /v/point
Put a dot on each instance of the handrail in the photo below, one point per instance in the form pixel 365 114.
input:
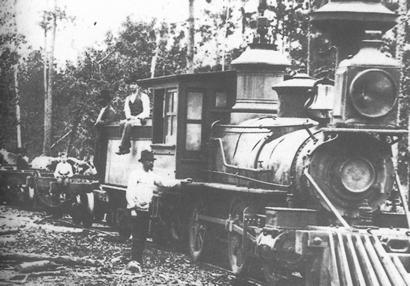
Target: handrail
pixel 280 186
pixel 226 164
pixel 264 127
pixel 326 199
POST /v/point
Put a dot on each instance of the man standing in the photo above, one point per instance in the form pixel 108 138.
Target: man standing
pixel 142 184
pixel 136 109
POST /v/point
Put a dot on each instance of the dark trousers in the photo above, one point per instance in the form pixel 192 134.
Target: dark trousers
pixel 140 225
pixel 125 138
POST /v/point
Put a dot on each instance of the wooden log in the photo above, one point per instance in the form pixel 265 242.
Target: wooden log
pixel 27 267
pixel 66 260
pixel 9 231
pixel 48 273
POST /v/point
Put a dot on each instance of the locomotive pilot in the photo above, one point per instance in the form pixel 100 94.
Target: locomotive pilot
pixel 136 109
pixel 142 184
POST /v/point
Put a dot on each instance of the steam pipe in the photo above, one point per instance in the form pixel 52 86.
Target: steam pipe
pixel 403 198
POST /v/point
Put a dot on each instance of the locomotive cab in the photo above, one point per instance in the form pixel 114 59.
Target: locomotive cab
pixel 184 108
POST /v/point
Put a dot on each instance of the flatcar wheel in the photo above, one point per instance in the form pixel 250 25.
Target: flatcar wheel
pixel 88 209
pixel 236 254
pixel 76 210
pixel 30 196
pixel 123 224
pixel 197 235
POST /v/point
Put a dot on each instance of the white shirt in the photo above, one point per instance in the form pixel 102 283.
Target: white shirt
pixel 141 188
pixel 145 105
pixel 63 169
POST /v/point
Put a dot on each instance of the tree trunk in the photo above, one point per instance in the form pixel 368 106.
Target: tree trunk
pixel 18 115
pixel 154 59
pixel 16 90
pixel 191 38
pixel 45 61
pixel 48 104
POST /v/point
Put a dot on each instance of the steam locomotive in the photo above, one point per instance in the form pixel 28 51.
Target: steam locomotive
pixel 297 174
pixel 294 174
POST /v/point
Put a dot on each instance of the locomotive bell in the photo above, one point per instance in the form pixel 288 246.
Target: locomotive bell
pixel 292 94
pixel 318 107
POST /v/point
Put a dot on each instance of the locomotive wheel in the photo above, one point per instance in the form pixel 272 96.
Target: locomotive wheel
pixel 236 255
pixel 177 229
pixel 123 224
pixel 198 234
pixel 30 195
pixel 158 232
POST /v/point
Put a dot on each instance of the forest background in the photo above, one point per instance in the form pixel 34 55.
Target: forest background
pixel 57 102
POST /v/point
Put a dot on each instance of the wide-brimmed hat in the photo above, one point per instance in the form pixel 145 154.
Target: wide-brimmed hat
pixel 146 156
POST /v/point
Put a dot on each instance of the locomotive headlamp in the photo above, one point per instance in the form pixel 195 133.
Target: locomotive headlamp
pixel 373 93
pixel 357 175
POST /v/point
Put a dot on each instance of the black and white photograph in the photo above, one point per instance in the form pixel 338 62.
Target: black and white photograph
pixel 205 142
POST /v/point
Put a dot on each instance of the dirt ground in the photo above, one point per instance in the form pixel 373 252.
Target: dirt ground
pixel 33 232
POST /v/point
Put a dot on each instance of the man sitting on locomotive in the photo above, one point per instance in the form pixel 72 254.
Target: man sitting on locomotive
pixel 106 116
pixel 136 109
pixel 107 113
pixel 142 184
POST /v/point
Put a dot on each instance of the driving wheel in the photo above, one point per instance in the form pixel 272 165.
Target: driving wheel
pixel 198 233
pixel 236 254
pixel 76 210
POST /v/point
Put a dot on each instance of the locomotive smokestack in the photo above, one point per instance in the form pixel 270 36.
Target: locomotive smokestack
pixel 257 69
pixel 345 22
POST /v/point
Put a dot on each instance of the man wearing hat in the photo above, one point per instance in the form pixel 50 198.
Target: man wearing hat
pixel 107 113
pixel 136 109
pixel 142 184
pixel 106 116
